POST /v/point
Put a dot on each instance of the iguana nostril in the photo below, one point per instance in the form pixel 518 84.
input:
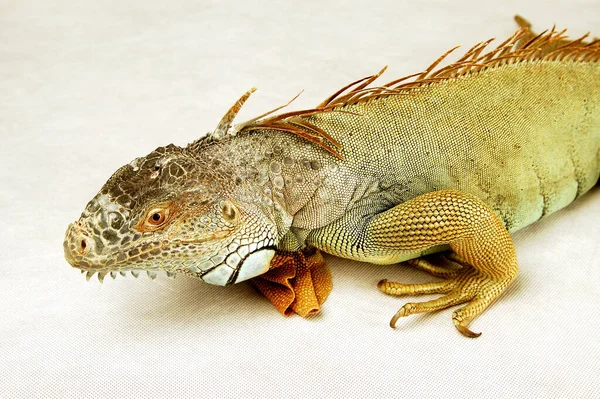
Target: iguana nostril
pixel 77 245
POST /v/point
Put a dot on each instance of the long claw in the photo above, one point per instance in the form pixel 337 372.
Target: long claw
pixel 402 312
pixel 466 332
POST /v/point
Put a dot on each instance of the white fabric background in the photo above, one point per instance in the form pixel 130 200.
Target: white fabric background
pixel 86 87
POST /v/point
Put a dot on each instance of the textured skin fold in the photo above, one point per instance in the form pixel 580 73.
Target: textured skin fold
pixel 298 283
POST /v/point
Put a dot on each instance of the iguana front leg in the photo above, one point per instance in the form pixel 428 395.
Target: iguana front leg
pixel 297 282
pixel 472 231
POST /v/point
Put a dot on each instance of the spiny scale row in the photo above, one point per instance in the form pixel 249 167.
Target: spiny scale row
pixel 135 273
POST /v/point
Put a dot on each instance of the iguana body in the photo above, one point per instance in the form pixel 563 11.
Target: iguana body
pixel 383 175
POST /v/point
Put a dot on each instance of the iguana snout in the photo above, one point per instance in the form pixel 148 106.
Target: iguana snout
pixel 77 245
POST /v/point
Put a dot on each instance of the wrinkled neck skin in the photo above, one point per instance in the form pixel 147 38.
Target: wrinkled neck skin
pixel 288 174
pixel 253 170
pixel 214 210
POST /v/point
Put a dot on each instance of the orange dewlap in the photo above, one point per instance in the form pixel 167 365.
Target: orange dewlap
pixel 298 282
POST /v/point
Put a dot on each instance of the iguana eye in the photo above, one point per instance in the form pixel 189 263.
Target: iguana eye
pixel 157 217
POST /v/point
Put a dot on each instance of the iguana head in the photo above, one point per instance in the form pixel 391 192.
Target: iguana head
pixel 175 211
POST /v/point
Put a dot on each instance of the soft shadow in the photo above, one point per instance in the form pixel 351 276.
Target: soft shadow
pixel 187 300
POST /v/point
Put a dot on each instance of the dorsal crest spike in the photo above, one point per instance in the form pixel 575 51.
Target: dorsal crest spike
pixel 253 120
pixel 225 125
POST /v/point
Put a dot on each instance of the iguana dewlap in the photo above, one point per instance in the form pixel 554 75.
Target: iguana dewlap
pixel 450 161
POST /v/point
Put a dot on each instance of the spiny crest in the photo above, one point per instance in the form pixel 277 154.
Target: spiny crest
pixel 522 46
pixel 291 122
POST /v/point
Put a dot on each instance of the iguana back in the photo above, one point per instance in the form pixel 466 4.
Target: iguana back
pixel 525 138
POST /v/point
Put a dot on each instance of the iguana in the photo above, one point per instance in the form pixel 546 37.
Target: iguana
pixel 434 169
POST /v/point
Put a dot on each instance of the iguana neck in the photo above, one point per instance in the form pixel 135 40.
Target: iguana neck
pixel 283 171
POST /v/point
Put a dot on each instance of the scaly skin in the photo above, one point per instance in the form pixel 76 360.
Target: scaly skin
pixel 450 162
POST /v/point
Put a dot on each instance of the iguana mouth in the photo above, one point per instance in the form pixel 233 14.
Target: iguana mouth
pixel 150 256
pixel 234 260
pixel 251 262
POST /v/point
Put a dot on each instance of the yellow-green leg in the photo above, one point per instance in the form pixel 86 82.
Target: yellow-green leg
pixel 474 233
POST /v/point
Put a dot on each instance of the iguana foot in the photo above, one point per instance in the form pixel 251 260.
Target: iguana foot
pixel 297 282
pixel 483 259
pixel 464 285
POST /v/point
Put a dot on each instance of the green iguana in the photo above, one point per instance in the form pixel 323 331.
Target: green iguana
pixel 449 160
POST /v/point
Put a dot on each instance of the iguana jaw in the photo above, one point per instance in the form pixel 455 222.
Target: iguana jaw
pixel 218 258
pixel 143 255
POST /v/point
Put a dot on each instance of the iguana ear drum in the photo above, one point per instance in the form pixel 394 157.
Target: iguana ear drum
pixel 229 212
pixel 255 264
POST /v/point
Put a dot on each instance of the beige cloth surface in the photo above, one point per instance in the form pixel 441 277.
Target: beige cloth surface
pixel 85 87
